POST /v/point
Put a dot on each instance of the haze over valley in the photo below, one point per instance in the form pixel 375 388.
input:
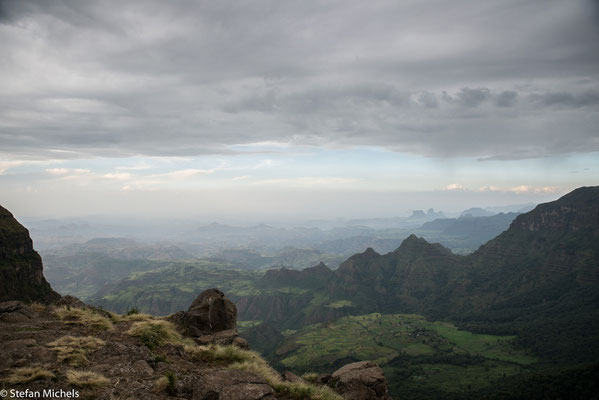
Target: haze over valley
pixel 380 199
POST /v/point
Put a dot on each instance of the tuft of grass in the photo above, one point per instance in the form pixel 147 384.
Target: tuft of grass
pixel 159 358
pixel 37 307
pixel 74 350
pixel 228 354
pixel 137 317
pixel 166 383
pixel 84 316
pixel 86 379
pixel 155 333
pixel 311 377
pixel 160 384
pixel 294 390
pixel 28 374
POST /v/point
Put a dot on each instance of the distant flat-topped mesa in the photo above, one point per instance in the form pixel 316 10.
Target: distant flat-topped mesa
pixel 21 275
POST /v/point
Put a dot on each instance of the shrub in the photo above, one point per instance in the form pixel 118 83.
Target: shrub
pixel 74 350
pixel 171 379
pixel 28 374
pixel 132 311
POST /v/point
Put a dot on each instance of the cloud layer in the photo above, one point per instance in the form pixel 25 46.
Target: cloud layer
pixel 509 80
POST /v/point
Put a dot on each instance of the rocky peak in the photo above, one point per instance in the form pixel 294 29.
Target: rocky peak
pixel 309 277
pixel 320 267
pixel 356 263
pixel 21 270
pixel 415 246
pixel 368 254
pixel 14 237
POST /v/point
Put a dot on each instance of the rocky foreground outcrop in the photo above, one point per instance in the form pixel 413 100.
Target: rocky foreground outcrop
pixel 75 348
pixel 362 380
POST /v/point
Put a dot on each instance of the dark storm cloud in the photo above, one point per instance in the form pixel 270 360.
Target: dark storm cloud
pixel 469 98
pixel 506 98
pixel 482 79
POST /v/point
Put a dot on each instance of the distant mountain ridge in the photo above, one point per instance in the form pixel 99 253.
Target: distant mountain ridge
pixel 545 267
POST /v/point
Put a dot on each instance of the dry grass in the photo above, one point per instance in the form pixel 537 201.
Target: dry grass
pixel 84 316
pixel 136 317
pixel 74 350
pixel 24 375
pixel 311 377
pixel 156 333
pixel 160 384
pixel 116 318
pixel 294 390
pixel 228 354
pixel 166 383
pixel 86 379
pixel 38 307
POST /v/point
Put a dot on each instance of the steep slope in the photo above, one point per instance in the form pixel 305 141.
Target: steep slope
pixel 556 244
pixel 540 280
pixel 313 277
pixel 21 276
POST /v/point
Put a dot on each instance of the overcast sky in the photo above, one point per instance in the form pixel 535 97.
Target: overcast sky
pixel 315 108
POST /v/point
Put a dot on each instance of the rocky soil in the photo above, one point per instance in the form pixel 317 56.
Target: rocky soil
pixel 74 347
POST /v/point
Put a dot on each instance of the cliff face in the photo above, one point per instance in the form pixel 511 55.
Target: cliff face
pixel 572 212
pixel 21 276
pixel 556 245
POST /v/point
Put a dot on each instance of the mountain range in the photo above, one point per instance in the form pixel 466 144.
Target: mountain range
pixel 521 312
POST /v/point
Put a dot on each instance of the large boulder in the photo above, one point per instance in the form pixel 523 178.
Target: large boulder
pixel 363 380
pixel 211 319
pixel 212 311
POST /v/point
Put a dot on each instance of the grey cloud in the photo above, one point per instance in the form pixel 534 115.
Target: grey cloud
pixel 467 97
pixel 428 99
pixel 506 98
pixel 181 78
pixel 323 98
pixel 566 99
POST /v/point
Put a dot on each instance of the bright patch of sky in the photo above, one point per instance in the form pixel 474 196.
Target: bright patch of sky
pixel 327 174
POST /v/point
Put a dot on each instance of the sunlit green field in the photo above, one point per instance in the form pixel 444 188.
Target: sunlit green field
pixel 413 352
